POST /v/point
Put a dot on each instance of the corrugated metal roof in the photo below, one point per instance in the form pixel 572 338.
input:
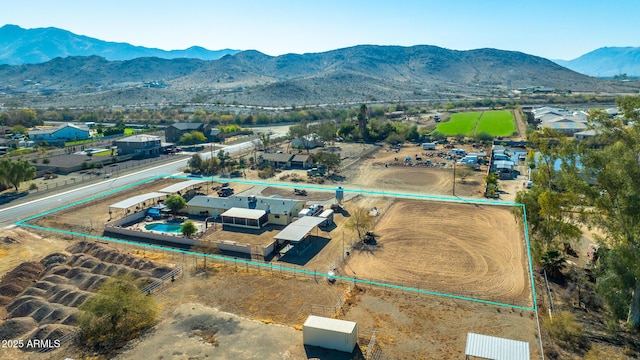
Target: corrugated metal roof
pixel 298 229
pixel 171 189
pixel 491 347
pixel 244 213
pixel 330 324
pixel 274 205
pixel 133 201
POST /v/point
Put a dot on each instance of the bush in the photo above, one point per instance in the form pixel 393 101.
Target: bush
pixel 266 173
pixel 564 327
pixel 118 313
pixel 33 186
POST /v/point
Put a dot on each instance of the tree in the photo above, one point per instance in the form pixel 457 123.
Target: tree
pixel 15 172
pixel 327 131
pixel 223 158
pixel 194 137
pixel 175 203
pixel 360 221
pixel 463 172
pixel 303 132
pixel 553 262
pixel 363 120
pixel 265 140
pixel 19 129
pixel 437 136
pixel 118 313
pixel 188 228
pixel 195 162
pixel 329 160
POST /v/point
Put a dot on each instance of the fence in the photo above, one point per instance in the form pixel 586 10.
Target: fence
pixel 159 284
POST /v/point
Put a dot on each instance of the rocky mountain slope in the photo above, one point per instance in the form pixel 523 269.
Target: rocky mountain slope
pixel 354 74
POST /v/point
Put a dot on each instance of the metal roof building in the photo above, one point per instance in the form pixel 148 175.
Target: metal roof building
pixel 175 188
pixel 137 200
pixel 298 230
pixel 495 348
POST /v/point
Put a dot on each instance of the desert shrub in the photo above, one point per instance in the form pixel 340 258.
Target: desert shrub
pixel 564 327
pixel 598 352
pixel 266 173
pixel 118 313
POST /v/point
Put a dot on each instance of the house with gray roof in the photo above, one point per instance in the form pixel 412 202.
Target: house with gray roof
pixel 139 145
pixel 279 211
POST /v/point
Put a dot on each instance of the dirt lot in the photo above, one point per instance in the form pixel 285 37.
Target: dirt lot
pixel 409 326
pixel 461 249
pixel 396 177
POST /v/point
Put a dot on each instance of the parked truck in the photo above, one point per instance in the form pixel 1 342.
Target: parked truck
pixel 317 171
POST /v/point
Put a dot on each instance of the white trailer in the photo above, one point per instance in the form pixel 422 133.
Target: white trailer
pixel 330 333
pixel 328 215
pixel 429 146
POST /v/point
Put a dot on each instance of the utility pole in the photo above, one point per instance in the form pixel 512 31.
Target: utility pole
pixel 454 175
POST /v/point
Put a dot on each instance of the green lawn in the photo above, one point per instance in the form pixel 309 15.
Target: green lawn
pixel 497 123
pixel 460 123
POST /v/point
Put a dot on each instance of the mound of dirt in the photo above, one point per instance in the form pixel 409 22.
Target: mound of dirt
pixel 44 285
pixel 34 291
pixel 50 333
pixel 108 255
pixel 25 306
pixel 18 279
pixel 59 270
pixel 16 327
pixel 88 281
pixel 11 289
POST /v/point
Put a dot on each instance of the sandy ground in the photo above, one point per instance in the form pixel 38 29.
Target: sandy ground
pixel 194 331
pixel 30 247
pixel 459 249
pixel 409 326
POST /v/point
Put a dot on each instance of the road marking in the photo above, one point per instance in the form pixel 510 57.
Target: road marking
pixel 87 186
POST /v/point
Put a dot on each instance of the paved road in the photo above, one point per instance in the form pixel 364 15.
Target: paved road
pixel 12 213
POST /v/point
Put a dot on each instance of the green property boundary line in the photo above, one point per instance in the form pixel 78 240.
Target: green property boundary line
pixel 23 223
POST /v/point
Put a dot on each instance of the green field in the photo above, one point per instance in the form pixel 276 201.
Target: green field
pixel 460 123
pixel 497 123
pixel 494 122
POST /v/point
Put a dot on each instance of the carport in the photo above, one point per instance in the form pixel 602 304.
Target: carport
pixel 297 231
pixel 137 203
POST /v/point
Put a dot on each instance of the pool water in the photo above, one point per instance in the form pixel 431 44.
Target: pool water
pixel 168 228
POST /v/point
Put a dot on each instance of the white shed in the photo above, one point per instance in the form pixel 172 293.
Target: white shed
pixel 330 333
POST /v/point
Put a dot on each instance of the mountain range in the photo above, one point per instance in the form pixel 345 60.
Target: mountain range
pixel 606 62
pixel 31 46
pixel 354 74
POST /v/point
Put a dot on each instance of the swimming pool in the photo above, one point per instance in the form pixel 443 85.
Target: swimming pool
pixel 168 228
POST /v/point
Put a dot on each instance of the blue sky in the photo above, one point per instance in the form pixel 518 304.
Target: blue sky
pixel 560 29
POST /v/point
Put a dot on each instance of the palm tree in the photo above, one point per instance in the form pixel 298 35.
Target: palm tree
pixel 553 262
pixel 362 120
